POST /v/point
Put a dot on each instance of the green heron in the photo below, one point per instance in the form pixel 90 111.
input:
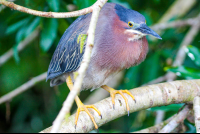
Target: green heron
pixel 120 43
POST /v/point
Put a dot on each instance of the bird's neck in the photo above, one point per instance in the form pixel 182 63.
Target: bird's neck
pixel 118 53
pixel 115 51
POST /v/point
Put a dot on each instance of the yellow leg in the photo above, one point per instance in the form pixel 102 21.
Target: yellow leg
pixel 81 106
pixel 113 92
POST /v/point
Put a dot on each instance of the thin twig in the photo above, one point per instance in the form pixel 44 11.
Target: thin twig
pixel 5 57
pixel 160 114
pixel 187 41
pixel 180 56
pixel 146 97
pixel 8 112
pixel 196 108
pixel 156 128
pixel 2 7
pixel 180 117
pixel 177 9
pixel 48 14
pixel 22 88
pixel 157 80
pixel 83 67
pixel 175 24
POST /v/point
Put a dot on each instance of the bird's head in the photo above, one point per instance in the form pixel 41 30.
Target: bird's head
pixel 134 23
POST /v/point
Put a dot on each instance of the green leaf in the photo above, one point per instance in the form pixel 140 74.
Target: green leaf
pixel 172 107
pixel 63 25
pixel 20 34
pixel 15 54
pixel 14 27
pixel 84 3
pixel 191 128
pixel 121 2
pixel 32 26
pixel 48 34
pixel 194 54
pixel 186 72
pixel 153 72
pixel 27 29
pixel 54 5
pixel 131 78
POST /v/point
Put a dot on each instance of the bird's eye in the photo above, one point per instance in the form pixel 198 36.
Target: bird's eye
pixel 130 24
pixel 145 21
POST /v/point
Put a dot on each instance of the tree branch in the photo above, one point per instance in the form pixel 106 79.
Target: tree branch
pixel 5 57
pixel 156 128
pixel 196 107
pixel 146 97
pixel 23 88
pixel 181 54
pixel 83 67
pixel 48 14
pixel 175 24
pixel 187 41
pixel 169 76
pixel 180 117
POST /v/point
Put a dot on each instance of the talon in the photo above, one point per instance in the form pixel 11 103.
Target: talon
pixel 113 92
pixel 81 106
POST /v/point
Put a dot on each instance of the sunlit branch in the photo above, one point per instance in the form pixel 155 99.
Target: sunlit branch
pixel 146 97
pixel 48 14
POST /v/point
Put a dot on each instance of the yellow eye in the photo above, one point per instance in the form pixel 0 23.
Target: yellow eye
pixel 130 24
pixel 145 21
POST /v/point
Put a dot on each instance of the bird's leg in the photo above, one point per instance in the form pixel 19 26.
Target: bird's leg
pixel 81 106
pixel 113 92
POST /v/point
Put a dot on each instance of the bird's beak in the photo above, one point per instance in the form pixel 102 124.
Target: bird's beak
pixel 143 28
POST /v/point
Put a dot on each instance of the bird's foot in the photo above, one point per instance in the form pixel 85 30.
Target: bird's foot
pixel 113 92
pixel 82 107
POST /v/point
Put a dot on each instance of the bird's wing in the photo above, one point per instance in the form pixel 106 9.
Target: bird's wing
pixel 67 56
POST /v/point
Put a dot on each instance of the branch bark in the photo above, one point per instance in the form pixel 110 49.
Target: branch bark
pixel 156 128
pixel 196 107
pixel 180 117
pixel 48 14
pixel 146 97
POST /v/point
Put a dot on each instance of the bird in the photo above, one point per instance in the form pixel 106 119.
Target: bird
pixel 120 43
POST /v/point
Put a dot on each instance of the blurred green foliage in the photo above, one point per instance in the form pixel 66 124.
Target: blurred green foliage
pixel 37 108
pixel 189 72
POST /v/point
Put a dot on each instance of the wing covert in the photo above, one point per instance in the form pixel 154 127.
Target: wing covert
pixel 67 56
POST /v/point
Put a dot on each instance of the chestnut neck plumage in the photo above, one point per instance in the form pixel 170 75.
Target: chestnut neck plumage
pixel 118 49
